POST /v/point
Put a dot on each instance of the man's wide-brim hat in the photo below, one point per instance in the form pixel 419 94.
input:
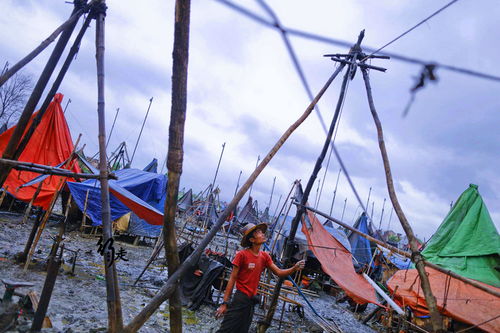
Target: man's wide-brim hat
pixel 247 230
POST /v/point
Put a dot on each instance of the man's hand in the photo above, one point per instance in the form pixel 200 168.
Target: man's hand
pixel 221 311
pixel 300 265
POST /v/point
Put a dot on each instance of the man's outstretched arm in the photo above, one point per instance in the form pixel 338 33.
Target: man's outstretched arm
pixel 285 272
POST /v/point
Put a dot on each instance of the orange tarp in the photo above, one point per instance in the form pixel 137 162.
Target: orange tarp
pixel 455 298
pixel 336 261
pixel 50 145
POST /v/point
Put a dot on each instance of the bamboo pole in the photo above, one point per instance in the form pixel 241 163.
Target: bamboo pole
pixel 84 217
pixel 168 288
pixel 4 193
pixel 142 127
pixel 404 253
pixel 33 100
pixel 437 322
pixel 264 324
pixel 28 209
pixel 115 319
pixel 42 224
pixel 53 90
pixel 23 62
pixel 49 170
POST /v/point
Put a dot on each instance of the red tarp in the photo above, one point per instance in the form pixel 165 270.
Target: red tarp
pixel 50 145
pixel 336 261
pixel 455 298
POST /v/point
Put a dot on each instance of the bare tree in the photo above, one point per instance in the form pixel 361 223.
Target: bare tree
pixel 13 96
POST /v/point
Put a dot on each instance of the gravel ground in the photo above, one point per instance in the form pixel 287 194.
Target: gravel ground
pixel 78 301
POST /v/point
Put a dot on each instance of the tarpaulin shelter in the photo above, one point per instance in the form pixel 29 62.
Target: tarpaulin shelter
pixel 152 166
pixel 50 144
pixel 468 244
pixel 248 214
pixel 134 190
pixel 454 298
pixel 360 246
pixel 467 241
pixel 335 259
pixel 186 201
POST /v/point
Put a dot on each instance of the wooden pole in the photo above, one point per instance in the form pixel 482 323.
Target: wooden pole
pixel 218 165
pixel 4 193
pixel 142 127
pixel 53 90
pixel 168 288
pixel 25 117
pixel 23 62
pixel 42 224
pixel 404 253
pixel 28 209
pixel 251 186
pixel 112 126
pixel 45 296
pixel 264 324
pixel 115 319
pixel 175 154
pixel 48 170
pixel 335 191
pixel 23 255
pixel 84 217
pixel 417 258
pixel 237 183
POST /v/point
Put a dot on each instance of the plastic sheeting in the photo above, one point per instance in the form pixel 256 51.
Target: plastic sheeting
pixel 50 144
pixel 467 241
pixel 186 201
pixel 336 261
pixel 132 191
pixel 455 298
pixel 360 246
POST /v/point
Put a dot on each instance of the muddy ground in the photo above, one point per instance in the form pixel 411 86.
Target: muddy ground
pixel 78 302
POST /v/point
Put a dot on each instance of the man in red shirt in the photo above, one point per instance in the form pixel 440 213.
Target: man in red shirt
pixel 248 265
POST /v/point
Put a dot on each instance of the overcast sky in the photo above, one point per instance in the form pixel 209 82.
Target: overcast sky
pixel 244 90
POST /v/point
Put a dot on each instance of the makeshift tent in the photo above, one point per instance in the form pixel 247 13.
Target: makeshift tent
pixel 133 189
pixel 152 166
pixel 454 298
pixel 468 244
pixel 248 214
pixel 360 246
pixel 335 259
pixel 186 201
pixel 50 145
pixel 467 241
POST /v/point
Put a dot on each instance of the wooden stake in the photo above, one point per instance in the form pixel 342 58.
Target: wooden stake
pixel 42 224
pixel 437 323
pixel 84 217
pixel 28 209
pixel 115 319
pixel 4 193
pixel 168 288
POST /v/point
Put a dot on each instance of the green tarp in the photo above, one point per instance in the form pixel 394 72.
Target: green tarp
pixel 467 241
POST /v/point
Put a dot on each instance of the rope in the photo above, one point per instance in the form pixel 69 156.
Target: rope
pixel 411 29
pixel 446 290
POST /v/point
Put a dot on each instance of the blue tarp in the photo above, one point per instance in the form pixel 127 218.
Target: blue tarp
pixel 360 245
pixel 148 186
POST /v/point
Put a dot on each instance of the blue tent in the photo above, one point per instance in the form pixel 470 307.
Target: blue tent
pixel 360 245
pixel 147 186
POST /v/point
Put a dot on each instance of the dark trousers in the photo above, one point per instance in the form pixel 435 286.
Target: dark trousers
pixel 239 314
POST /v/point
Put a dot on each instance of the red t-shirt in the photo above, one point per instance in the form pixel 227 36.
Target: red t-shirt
pixel 250 268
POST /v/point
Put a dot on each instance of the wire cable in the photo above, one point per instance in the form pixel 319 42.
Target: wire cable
pixel 411 29
pixel 338 42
